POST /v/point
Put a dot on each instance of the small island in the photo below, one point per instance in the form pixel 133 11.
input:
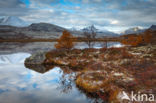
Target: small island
pixel 105 72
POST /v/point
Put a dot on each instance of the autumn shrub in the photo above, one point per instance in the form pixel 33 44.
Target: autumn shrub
pixel 55 53
pixel 65 41
pixel 76 51
pixel 114 51
pixel 133 40
pixel 111 91
pixel 117 53
pixel 95 66
pixel 103 49
pixel 88 50
pixel 144 73
pixel 147 36
pixel 126 54
pixel 113 95
pixel 136 40
pixel 147 77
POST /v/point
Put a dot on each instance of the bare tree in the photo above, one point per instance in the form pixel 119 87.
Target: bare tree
pixel 104 44
pixel 90 33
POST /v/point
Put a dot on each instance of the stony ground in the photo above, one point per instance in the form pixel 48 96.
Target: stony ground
pixel 105 73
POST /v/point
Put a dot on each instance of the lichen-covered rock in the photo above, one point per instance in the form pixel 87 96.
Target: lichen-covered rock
pixel 37 58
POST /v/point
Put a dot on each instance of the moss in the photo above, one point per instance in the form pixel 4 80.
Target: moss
pixel 91 82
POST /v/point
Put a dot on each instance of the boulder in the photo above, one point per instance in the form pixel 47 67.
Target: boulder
pixel 37 58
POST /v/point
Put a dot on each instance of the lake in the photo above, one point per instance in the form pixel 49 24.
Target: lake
pixel 19 84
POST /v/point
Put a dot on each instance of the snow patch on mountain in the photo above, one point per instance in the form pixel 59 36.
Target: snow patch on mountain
pixel 100 33
pixel 13 21
pixel 135 30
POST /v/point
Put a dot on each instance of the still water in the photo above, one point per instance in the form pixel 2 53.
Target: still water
pixel 19 84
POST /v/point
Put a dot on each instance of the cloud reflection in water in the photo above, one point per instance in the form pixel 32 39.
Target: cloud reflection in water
pixel 19 84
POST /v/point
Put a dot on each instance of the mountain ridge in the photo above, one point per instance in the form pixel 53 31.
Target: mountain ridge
pixel 153 27
pixel 134 30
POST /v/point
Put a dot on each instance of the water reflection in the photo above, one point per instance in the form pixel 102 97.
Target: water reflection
pixel 13 58
pixel 40 68
pixel 38 84
pixel 66 83
pixel 8 48
pixel 65 80
pixel 97 45
pixel 18 84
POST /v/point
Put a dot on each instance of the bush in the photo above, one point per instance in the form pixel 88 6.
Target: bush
pixel 133 40
pixel 65 41
pixel 136 40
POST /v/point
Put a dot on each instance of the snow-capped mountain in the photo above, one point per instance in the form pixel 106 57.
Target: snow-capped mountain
pixel 100 33
pixel 73 29
pixel 135 30
pixel 106 33
pixel 13 21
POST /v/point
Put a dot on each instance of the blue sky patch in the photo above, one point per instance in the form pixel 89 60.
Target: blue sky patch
pixel 26 2
pixel 34 85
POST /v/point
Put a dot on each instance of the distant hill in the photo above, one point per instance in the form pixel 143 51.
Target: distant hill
pixel 35 30
pixel 45 27
pixel 13 21
pixel 42 30
pixel 107 34
pixel 153 27
pixel 135 30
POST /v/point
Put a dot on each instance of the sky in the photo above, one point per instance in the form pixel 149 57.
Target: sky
pixel 113 15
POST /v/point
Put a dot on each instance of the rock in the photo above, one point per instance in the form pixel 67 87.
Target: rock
pixel 125 62
pixel 37 58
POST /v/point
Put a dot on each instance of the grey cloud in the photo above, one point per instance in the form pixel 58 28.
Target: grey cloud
pixel 85 12
pixel 12 8
pixel 10 3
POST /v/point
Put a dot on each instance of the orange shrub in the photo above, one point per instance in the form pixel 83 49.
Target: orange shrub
pixel 65 41
pixel 147 36
pixel 135 40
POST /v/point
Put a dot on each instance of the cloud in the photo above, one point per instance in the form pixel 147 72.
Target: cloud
pixel 10 3
pixel 79 13
pixel 21 84
pixel 12 8
pixel 114 22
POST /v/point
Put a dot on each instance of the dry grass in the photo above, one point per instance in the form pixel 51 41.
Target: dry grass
pixel 97 68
